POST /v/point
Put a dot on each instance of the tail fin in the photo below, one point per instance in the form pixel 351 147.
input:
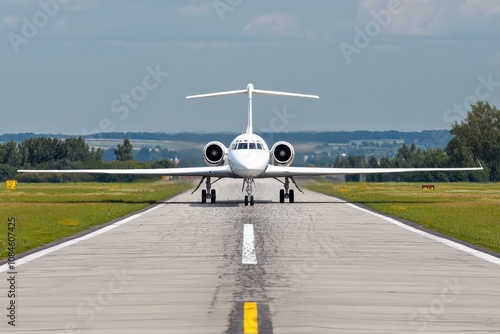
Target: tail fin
pixel 249 91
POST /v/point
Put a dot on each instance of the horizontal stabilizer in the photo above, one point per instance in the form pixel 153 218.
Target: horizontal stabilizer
pixel 270 92
pixel 250 91
pixel 231 92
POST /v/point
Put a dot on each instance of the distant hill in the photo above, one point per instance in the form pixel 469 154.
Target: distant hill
pixel 428 138
pixel 189 145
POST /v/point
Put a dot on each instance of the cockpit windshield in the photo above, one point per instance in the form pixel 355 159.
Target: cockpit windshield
pixel 244 145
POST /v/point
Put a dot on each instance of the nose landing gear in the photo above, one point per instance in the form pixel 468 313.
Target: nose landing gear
pixel 249 190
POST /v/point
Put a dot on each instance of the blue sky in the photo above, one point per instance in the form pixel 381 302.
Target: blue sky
pixel 76 67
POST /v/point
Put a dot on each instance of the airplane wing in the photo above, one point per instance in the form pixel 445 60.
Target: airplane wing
pixel 220 171
pixel 279 171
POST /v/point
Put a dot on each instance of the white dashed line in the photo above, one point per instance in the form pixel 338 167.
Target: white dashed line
pixel 248 256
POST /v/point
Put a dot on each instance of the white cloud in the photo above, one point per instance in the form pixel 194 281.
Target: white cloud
pixel 10 21
pixel 275 23
pixel 428 18
pixel 62 25
pixel 196 10
pixel 310 34
pixel 481 8
pixel 16 2
pixel 418 18
pixel 414 18
pixel 80 8
pixel 208 45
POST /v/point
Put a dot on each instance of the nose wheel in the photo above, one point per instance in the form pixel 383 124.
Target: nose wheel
pixel 249 190
pixel 249 200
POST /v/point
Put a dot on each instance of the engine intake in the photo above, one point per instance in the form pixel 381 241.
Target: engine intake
pixel 282 154
pixel 214 153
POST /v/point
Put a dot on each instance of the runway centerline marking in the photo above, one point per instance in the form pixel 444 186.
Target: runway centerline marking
pixel 250 320
pixel 248 255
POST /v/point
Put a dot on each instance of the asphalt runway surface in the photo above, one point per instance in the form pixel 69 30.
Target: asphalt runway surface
pixel 316 266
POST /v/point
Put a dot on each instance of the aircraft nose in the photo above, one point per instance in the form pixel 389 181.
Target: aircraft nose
pixel 250 167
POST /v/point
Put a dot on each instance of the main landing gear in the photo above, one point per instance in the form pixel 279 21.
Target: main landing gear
pixel 207 193
pixel 249 190
pixel 288 193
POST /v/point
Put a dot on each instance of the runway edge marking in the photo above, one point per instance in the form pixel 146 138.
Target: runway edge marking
pixel 248 255
pixel 450 243
pixel 105 229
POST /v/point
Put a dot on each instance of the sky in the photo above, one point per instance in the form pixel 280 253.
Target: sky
pixel 85 66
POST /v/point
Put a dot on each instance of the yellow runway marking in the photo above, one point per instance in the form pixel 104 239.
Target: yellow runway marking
pixel 250 321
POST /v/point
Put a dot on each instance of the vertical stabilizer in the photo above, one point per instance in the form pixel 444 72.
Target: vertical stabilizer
pixel 250 117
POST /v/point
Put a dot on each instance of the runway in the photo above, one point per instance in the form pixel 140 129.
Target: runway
pixel 316 266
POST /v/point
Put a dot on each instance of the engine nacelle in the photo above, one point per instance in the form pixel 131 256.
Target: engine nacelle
pixel 282 154
pixel 214 153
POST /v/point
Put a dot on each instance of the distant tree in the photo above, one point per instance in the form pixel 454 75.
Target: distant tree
pixel 166 163
pixel 10 154
pixel 479 136
pixel 123 152
pixel 76 149
pixel 373 163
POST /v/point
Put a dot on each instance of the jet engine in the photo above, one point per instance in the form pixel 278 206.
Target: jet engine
pixel 214 153
pixel 282 154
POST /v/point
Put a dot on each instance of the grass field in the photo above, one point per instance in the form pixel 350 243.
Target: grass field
pixel 467 211
pixel 47 212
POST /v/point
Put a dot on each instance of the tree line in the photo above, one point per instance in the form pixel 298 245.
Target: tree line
pixel 476 138
pixel 427 138
pixel 69 153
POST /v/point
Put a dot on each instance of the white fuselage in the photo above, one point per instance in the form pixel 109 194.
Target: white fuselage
pixel 248 155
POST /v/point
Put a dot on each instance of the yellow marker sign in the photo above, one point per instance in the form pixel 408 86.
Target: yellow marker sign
pixel 11 184
pixel 250 321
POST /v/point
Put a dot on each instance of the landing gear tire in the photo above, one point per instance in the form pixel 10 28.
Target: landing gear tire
pixel 212 196
pixel 203 196
pixel 291 196
pixel 246 200
pixel 282 196
pixel 251 200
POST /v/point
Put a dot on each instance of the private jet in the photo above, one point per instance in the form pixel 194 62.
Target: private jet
pixel 249 158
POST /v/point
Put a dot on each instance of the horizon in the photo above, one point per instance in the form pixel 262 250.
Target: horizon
pixel 216 132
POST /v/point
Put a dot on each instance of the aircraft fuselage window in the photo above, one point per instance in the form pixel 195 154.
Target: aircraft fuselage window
pixel 242 146
pixel 252 146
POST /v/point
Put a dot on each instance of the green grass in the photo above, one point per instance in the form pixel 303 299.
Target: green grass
pixel 46 212
pixel 467 211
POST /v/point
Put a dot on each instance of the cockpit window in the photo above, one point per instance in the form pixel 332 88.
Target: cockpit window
pixel 255 145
